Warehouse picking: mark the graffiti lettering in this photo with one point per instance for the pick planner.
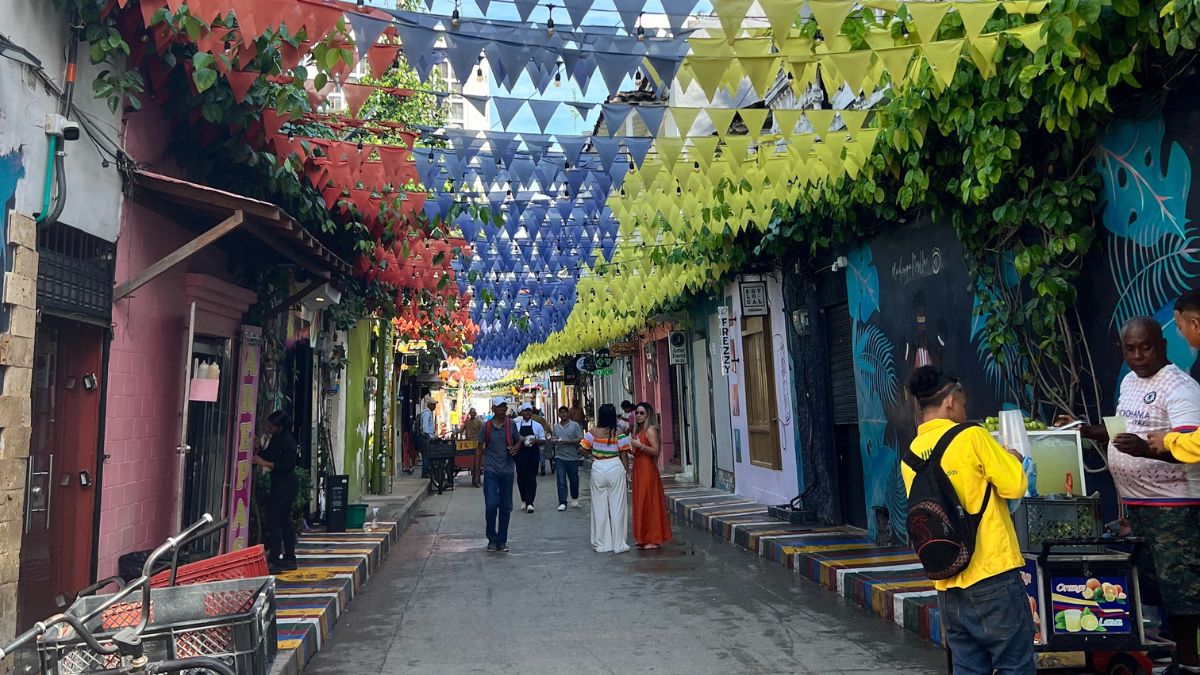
(919, 265)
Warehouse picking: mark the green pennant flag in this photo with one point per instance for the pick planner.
(781, 14)
(983, 53)
(735, 149)
(731, 14)
(754, 119)
(709, 72)
(762, 71)
(820, 120)
(684, 118)
(785, 121)
(721, 118)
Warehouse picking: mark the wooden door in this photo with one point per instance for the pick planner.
(57, 545)
(762, 412)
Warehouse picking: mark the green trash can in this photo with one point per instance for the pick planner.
(356, 516)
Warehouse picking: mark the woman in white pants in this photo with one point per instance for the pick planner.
(610, 517)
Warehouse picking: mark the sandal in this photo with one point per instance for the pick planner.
(649, 547)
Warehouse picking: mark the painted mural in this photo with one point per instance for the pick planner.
(12, 170)
(910, 299)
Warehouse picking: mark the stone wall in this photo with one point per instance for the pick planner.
(16, 373)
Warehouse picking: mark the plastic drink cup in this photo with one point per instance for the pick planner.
(1071, 617)
(1115, 426)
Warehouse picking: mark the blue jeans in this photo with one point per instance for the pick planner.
(567, 471)
(497, 500)
(989, 626)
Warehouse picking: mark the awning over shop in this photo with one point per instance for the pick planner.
(250, 224)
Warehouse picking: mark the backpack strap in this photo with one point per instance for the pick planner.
(915, 462)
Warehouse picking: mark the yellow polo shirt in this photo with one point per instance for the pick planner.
(976, 463)
(1184, 446)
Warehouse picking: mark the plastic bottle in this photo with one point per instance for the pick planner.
(214, 371)
(375, 518)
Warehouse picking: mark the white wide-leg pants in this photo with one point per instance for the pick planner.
(610, 517)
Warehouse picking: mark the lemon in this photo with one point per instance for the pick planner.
(1089, 622)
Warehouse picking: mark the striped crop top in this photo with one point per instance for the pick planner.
(605, 448)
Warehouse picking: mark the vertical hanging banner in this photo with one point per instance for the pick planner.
(241, 471)
(726, 342)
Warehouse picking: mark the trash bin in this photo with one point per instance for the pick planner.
(337, 494)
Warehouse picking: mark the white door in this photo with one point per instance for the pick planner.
(720, 403)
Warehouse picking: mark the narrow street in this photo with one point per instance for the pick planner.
(442, 604)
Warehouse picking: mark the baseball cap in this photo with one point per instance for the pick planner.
(526, 406)
(499, 400)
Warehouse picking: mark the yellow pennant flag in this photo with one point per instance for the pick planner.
(926, 17)
(889, 6)
(731, 14)
(785, 121)
(801, 147)
(820, 120)
(752, 46)
(801, 74)
(983, 53)
(721, 118)
(710, 46)
(1026, 6)
(668, 150)
(943, 57)
(736, 148)
(651, 167)
(754, 119)
(704, 149)
(855, 66)
(975, 16)
(878, 38)
(1031, 36)
(684, 119)
(761, 70)
(830, 15)
(797, 46)
(781, 14)
(896, 61)
(709, 72)
(853, 119)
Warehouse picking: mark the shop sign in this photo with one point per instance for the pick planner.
(677, 344)
(242, 469)
(1090, 604)
(624, 348)
(754, 298)
(726, 341)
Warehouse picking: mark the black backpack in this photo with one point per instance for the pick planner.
(939, 528)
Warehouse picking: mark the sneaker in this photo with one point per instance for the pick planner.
(289, 563)
(574, 503)
(274, 568)
(491, 547)
(562, 507)
(529, 508)
(502, 548)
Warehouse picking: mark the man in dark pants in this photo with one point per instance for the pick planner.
(280, 457)
(533, 437)
(498, 446)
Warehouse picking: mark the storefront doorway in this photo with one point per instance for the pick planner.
(57, 547)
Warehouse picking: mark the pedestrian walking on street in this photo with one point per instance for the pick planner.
(470, 431)
(498, 446)
(605, 445)
(567, 435)
(984, 606)
(533, 437)
(426, 430)
(280, 457)
(651, 524)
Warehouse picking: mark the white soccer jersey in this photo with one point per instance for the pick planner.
(1170, 400)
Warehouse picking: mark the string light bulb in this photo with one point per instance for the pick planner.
(479, 69)
(549, 20)
(641, 32)
(558, 79)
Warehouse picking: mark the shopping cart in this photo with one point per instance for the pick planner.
(440, 454)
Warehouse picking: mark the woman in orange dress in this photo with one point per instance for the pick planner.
(651, 524)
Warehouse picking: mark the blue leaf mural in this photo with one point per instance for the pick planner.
(1152, 251)
(862, 285)
(875, 364)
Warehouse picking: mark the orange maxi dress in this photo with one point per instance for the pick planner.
(651, 524)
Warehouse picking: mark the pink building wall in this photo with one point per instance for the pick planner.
(657, 393)
(145, 376)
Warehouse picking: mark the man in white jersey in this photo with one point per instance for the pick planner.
(1162, 499)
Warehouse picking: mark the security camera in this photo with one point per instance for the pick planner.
(57, 125)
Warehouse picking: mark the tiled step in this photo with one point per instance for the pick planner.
(886, 580)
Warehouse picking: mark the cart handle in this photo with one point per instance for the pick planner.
(41, 627)
(1050, 544)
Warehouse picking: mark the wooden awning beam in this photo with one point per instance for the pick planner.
(181, 254)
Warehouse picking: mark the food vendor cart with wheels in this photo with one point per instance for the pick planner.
(1086, 600)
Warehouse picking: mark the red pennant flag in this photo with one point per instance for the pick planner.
(272, 121)
(174, 5)
(319, 20)
(149, 7)
(241, 81)
(381, 58)
(356, 95)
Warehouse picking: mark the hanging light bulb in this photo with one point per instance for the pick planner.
(479, 69)
(549, 20)
(558, 79)
(641, 32)
(455, 17)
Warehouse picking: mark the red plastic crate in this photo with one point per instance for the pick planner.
(244, 564)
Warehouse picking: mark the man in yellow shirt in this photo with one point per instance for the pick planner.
(984, 608)
(1181, 445)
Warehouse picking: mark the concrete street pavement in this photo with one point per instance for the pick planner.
(552, 605)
